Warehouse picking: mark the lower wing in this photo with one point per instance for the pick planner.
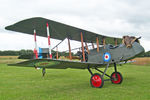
(57, 64)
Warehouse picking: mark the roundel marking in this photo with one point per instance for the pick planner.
(106, 57)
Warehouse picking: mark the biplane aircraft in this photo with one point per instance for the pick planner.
(109, 52)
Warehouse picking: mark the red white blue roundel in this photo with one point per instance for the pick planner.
(106, 57)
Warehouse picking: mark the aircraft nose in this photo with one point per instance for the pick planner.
(138, 49)
(141, 50)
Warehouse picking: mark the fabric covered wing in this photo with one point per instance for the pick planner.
(56, 64)
(57, 30)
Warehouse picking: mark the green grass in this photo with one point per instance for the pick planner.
(9, 59)
(20, 83)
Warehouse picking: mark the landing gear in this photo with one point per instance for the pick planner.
(43, 72)
(97, 80)
(116, 78)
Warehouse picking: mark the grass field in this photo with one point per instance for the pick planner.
(20, 83)
(9, 59)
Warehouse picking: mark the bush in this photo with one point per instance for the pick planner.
(26, 56)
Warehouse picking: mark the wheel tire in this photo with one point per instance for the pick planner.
(97, 80)
(117, 80)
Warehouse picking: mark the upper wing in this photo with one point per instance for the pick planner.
(57, 64)
(57, 30)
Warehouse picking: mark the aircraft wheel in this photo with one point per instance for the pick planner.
(116, 78)
(97, 80)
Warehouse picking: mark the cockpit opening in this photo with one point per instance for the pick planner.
(128, 41)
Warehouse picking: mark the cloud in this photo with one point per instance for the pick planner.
(108, 17)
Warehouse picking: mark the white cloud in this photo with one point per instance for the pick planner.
(108, 17)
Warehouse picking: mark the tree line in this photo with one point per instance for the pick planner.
(15, 53)
(28, 54)
(146, 54)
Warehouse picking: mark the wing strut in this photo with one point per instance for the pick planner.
(86, 48)
(83, 55)
(115, 42)
(49, 44)
(97, 42)
(104, 42)
(35, 49)
(70, 56)
(58, 44)
(93, 45)
(57, 52)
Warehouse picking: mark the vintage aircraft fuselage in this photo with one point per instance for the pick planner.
(111, 54)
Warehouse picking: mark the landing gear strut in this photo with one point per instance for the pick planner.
(43, 72)
(116, 77)
(97, 80)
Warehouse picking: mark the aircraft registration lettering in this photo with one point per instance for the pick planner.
(43, 63)
(46, 63)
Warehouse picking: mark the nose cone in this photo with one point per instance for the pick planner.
(138, 48)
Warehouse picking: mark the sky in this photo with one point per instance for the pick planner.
(107, 17)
